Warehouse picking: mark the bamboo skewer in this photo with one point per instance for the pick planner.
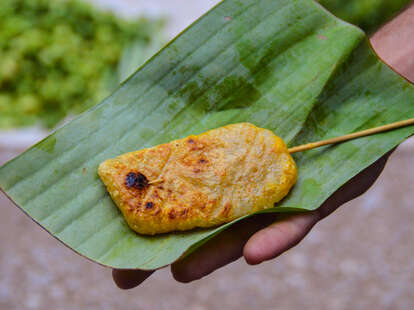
(351, 136)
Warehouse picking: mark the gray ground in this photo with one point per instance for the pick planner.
(358, 258)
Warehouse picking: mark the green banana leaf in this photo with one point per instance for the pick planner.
(286, 65)
(367, 14)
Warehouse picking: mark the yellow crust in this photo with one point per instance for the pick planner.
(207, 180)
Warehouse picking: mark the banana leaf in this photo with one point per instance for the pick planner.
(286, 65)
(367, 14)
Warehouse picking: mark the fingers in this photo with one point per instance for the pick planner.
(290, 230)
(279, 237)
(127, 279)
(355, 187)
(221, 250)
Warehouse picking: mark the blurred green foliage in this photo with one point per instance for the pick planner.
(367, 14)
(59, 58)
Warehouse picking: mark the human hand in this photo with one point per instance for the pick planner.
(266, 236)
(259, 238)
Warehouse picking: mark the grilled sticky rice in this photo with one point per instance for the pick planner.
(200, 181)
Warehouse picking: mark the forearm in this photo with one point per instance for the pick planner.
(394, 43)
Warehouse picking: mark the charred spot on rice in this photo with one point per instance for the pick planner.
(136, 180)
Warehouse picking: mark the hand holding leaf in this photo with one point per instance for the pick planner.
(265, 237)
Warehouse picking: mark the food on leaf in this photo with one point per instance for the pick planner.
(200, 181)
